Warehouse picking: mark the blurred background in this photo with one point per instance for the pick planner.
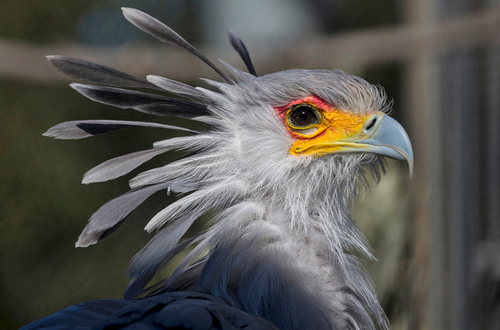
(436, 237)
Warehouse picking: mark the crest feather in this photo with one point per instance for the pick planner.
(111, 215)
(163, 33)
(96, 73)
(80, 129)
(242, 50)
(144, 102)
(119, 166)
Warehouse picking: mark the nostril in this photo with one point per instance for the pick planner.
(371, 123)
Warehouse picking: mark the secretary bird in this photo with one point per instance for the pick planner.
(276, 165)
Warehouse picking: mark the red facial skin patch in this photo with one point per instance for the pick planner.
(325, 136)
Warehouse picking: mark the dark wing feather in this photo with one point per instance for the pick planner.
(176, 310)
(162, 32)
(96, 73)
(242, 50)
(144, 102)
(84, 316)
(186, 310)
(112, 214)
(80, 129)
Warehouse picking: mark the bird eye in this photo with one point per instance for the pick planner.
(303, 116)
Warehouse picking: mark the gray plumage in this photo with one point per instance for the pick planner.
(280, 242)
(162, 32)
(97, 73)
(144, 102)
(110, 216)
(119, 166)
(80, 129)
(179, 89)
(241, 49)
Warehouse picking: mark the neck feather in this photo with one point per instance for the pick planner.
(279, 252)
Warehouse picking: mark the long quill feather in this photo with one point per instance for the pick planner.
(96, 73)
(111, 215)
(144, 102)
(242, 50)
(162, 32)
(80, 129)
(119, 166)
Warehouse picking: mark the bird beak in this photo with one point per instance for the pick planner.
(376, 133)
(387, 138)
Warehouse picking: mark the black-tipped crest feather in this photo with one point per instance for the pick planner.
(144, 102)
(242, 50)
(80, 129)
(96, 73)
(162, 32)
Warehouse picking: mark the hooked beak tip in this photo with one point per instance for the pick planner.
(391, 140)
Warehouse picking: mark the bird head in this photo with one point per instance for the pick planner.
(305, 132)
(292, 141)
(316, 113)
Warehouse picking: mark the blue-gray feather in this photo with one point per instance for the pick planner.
(180, 310)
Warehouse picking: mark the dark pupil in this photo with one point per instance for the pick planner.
(303, 116)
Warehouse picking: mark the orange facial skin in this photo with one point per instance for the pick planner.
(335, 129)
